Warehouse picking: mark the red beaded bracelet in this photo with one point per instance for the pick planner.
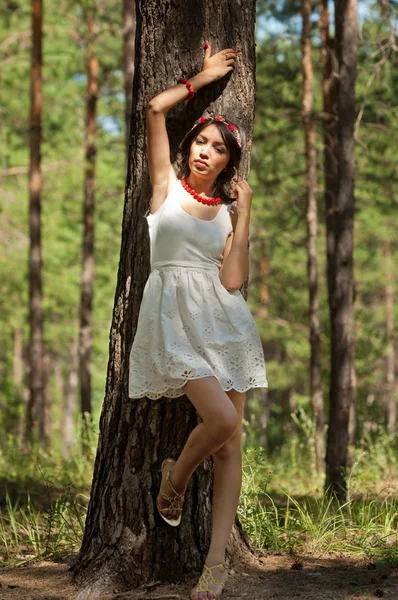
(189, 87)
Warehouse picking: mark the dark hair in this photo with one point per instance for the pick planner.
(222, 183)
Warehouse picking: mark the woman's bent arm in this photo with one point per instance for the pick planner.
(159, 163)
(160, 168)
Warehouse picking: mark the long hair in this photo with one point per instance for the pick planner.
(222, 186)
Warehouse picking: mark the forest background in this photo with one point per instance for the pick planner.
(279, 428)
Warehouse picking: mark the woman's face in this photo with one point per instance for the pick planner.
(209, 154)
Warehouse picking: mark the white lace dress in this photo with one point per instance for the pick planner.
(190, 325)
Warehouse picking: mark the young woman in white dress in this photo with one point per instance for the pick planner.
(219, 435)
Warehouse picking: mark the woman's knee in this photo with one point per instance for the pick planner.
(224, 424)
(230, 448)
(217, 410)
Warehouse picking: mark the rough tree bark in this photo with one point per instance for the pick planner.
(87, 279)
(36, 381)
(125, 543)
(312, 233)
(340, 271)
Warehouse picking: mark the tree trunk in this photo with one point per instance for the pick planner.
(128, 56)
(18, 368)
(45, 424)
(340, 271)
(69, 402)
(265, 410)
(312, 233)
(125, 543)
(86, 298)
(352, 419)
(35, 401)
(390, 403)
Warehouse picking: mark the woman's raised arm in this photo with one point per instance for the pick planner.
(161, 171)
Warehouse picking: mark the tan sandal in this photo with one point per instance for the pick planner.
(175, 501)
(207, 579)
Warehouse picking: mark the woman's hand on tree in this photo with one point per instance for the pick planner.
(221, 63)
(243, 194)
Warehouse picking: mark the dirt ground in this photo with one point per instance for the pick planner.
(269, 578)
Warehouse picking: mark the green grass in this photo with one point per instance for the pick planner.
(283, 509)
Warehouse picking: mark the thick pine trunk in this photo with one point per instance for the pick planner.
(86, 298)
(35, 401)
(341, 285)
(312, 233)
(125, 542)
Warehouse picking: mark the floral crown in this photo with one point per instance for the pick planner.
(231, 127)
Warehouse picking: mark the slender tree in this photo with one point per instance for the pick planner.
(36, 380)
(18, 368)
(69, 392)
(312, 233)
(340, 263)
(86, 298)
(125, 543)
(390, 401)
(128, 56)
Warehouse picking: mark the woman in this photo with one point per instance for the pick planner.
(195, 333)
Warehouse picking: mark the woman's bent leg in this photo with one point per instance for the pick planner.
(220, 420)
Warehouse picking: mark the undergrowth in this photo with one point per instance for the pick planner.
(44, 499)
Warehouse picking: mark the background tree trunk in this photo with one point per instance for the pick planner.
(69, 401)
(312, 233)
(18, 370)
(128, 60)
(390, 402)
(125, 542)
(45, 423)
(35, 401)
(264, 415)
(86, 299)
(341, 299)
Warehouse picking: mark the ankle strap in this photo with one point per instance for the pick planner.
(224, 565)
(171, 485)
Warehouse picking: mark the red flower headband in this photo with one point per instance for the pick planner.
(231, 127)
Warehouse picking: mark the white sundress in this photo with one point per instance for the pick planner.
(189, 324)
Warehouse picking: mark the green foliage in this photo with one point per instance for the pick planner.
(282, 512)
(278, 225)
(64, 89)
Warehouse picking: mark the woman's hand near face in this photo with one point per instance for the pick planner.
(220, 64)
(243, 194)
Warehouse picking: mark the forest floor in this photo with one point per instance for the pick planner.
(272, 577)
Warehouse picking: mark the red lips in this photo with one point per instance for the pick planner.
(201, 162)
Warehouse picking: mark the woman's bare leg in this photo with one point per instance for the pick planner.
(220, 420)
(226, 491)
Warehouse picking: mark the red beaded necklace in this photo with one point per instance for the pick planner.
(202, 199)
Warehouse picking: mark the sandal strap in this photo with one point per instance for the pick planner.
(171, 485)
(175, 502)
(167, 460)
(207, 578)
